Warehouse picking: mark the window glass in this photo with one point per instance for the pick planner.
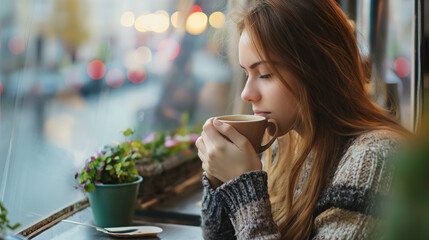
(400, 78)
(385, 32)
(75, 72)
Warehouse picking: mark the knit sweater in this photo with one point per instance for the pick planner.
(241, 208)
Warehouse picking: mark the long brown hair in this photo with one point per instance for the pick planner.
(315, 42)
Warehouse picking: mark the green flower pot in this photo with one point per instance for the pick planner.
(113, 204)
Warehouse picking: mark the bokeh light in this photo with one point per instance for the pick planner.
(17, 45)
(140, 56)
(195, 9)
(140, 24)
(169, 48)
(136, 74)
(176, 19)
(74, 80)
(161, 21)
(402, 67)
(143, 55)
(96, 69)
(217, 19)
(196, 23)
(156, 22)
(1, 88)
(115, 77)
(127, 19)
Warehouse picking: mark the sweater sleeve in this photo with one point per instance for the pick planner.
(246, 201)
(214, 221)
(346, 209)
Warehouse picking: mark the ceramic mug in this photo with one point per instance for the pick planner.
(252, 127)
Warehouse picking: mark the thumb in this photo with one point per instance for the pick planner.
(231, 133)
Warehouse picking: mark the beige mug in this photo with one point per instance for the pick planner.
(252, 127)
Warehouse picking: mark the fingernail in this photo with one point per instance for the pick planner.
(217, 122)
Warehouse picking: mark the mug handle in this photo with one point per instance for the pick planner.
(266, 146)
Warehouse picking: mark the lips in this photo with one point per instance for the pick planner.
(261, 113)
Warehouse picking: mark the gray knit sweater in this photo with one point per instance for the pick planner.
(241, 209)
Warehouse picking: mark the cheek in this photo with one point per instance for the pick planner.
(285, 119)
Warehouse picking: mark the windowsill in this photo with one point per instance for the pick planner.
(177, 213)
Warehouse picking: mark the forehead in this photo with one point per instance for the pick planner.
(246, 50)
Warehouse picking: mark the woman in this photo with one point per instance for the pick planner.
(303, 70)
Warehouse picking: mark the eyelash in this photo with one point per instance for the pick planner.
(266, 76)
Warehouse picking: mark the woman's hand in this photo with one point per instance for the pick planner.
(224, 152)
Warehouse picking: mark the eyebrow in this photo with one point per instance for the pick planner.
(254, 64)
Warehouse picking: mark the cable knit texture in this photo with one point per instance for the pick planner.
(241, 209)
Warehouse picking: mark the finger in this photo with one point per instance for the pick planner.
(203, 161)
(231, 133)
(208, 122)
(211, 136)
(200, 144)
(202, 157)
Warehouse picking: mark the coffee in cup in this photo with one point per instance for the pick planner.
(252, 127)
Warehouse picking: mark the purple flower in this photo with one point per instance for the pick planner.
(100, 154)
(76, 187)
(87, 167)
(194, 137)
(149, 138)
(169, 142)
(129, 141)
(82, 186)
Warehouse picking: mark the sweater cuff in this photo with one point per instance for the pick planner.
(207, 185)
(246, 188)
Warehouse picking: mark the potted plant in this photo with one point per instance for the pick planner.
(111, 180)
(5, 224)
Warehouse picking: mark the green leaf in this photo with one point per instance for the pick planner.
(108, 167)
(14, 226)
(136, 144)
(128, 132)
(108, 154)
(89, 187)
(118, 167)
(136, 155)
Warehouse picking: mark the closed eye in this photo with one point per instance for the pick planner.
(266, 75)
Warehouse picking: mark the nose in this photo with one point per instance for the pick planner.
(250, 92)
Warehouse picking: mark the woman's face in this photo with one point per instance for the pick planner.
(264, 90)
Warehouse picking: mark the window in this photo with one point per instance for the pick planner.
(74, 72)
(385, 31)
